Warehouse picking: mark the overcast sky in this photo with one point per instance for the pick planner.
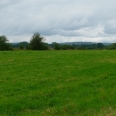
(59, 20)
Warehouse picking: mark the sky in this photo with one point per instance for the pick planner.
(59, 20)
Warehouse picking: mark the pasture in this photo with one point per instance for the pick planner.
(58, 83)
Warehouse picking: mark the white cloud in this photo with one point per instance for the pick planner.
(59, 20)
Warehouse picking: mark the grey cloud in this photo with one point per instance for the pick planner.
(58, 17)
(110, 27)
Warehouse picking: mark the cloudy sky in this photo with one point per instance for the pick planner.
(59, 20)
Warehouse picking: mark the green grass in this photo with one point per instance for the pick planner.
(58, 83)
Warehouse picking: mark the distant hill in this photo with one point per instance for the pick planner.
(107, 44)
(83, 43)
(17, 44)
(24, 43)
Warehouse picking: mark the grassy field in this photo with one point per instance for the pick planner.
(58, 83)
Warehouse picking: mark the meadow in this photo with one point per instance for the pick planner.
(58, 83)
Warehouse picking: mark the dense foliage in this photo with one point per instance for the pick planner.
(4, 45)
(112, 46)
(36, 42)
(58, 46)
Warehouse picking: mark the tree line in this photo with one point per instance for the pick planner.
(37, 43)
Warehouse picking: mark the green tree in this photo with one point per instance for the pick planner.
(100, 46)
(28, 47)
(56, 46)
(4, 43)
(21, 46)
(36, 42)
(64, 47)
(112, 46)
(67, 47)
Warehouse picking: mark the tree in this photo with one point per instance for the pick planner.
(21, 46)
(28, 47)
(112, 46)
(36, 42)
(56, 46)
(67, 47)
(4, 45)
(64, 47)
(100, 46)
